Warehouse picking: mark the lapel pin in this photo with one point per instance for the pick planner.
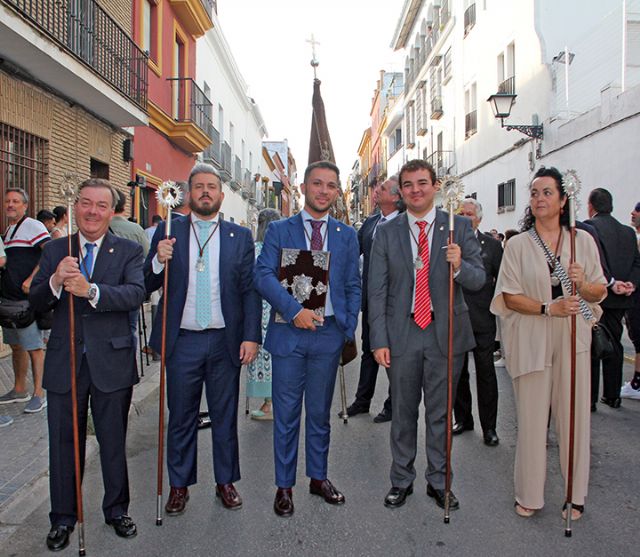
(338, 229)
(111, 250)
(441, 227)
(482, 242)
(231, 234)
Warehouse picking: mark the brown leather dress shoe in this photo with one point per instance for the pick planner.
(325, 489)
(283, 503)
(177, 502)
(229, 496)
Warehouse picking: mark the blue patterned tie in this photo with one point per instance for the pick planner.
(87, 263)
(203, 280)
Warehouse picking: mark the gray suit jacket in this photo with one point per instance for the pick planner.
(392, 276)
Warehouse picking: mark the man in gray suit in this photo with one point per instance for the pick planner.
(409, 320)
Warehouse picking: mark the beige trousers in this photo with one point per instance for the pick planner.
(535, 393)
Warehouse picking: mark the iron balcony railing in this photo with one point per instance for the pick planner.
(508, 86)
(436, 107)
(470, 123)
(190, 102)
(226, 160)
(236, 181)
(212, 153)
(442, 162)
(85, 30)
(469, 18)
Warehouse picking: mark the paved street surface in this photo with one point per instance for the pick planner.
(359, 466)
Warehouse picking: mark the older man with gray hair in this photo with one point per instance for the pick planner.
(483, 323)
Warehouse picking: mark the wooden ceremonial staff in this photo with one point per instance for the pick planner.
(571, 188)
(69, 192)
(169, 195)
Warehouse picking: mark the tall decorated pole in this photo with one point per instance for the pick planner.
(571, 184)
(69, 191)
(452, 191)
(169, 196)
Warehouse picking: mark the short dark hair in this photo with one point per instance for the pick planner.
(44, 215)
(417, 164)
(265, 217)
(100, 183)
(60, 212)
(122, 201)
(601, 201)
(156, 219)
(321, 164)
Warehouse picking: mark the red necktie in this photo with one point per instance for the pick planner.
(422, 306)
(316, 237)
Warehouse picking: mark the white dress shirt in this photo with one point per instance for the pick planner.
(384, 219)
(430, 217)
(81, 262)
(306, 217)
(213, 247)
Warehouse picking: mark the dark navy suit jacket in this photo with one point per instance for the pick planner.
(102, 332)
(344, 280)
(241, 304)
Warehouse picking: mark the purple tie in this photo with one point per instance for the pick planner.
(316, 237)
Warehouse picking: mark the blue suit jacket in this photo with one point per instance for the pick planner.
(344, 280)
(241, 304)
(104, 331)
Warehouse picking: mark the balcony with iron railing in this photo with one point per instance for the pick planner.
(88, 43)
(436, 108)
(469, 18)
(470, 123)
(442, 162)
(508, 86)
(236, 178)
(226, 161)
(212, 153)
(191, 109)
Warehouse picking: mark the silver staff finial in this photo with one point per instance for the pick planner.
(169, 195)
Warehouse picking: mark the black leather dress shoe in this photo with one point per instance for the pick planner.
(58, 537)
(457, 428)
(326, 489)
(438, 495)
(354, 410)
(384, 416)
(283, 503)
(397, 496)
(123, 525)
(491, 438)
(613, 402)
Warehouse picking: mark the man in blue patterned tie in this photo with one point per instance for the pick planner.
(213, 327)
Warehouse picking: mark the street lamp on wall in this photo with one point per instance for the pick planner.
(501, 104)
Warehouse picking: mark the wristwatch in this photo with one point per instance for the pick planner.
(92, 292)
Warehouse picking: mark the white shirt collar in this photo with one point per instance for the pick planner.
(195, 218)
(429, 217)
(97, 242)
(390, 216)
(306, 216)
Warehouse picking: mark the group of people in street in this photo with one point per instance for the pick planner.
(227, 307)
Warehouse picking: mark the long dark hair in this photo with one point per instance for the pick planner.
(528, 220)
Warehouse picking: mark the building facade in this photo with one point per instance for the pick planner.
(279, 178)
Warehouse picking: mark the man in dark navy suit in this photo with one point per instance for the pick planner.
(387, 197)
(105, 277)
(305, 350)
(483, 323)
(213, 327)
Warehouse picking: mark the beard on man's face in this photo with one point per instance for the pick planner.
(204, 211)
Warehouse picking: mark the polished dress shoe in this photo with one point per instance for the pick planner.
(354, 410)
(283, 503)
(457, 428)
(491, 438)
(123, 525)
(613, 402)
(397, 496)
(58, 537)
(229, 496)
(177, 502)
(326, 489)
(438, 495)
(384, 416)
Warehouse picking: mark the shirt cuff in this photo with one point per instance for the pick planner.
(94, 302)
(156, 265)
(55, 292)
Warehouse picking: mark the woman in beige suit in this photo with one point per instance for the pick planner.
(535, 306)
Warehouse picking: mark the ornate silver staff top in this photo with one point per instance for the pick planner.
(169, 195)
(69, 190)
(572, 186)
(453, 193)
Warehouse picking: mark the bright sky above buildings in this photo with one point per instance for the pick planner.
(268, 42)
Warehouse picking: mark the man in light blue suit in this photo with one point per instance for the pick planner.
(306, 349)
(213, 327)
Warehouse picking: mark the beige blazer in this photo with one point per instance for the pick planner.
(524, 270)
